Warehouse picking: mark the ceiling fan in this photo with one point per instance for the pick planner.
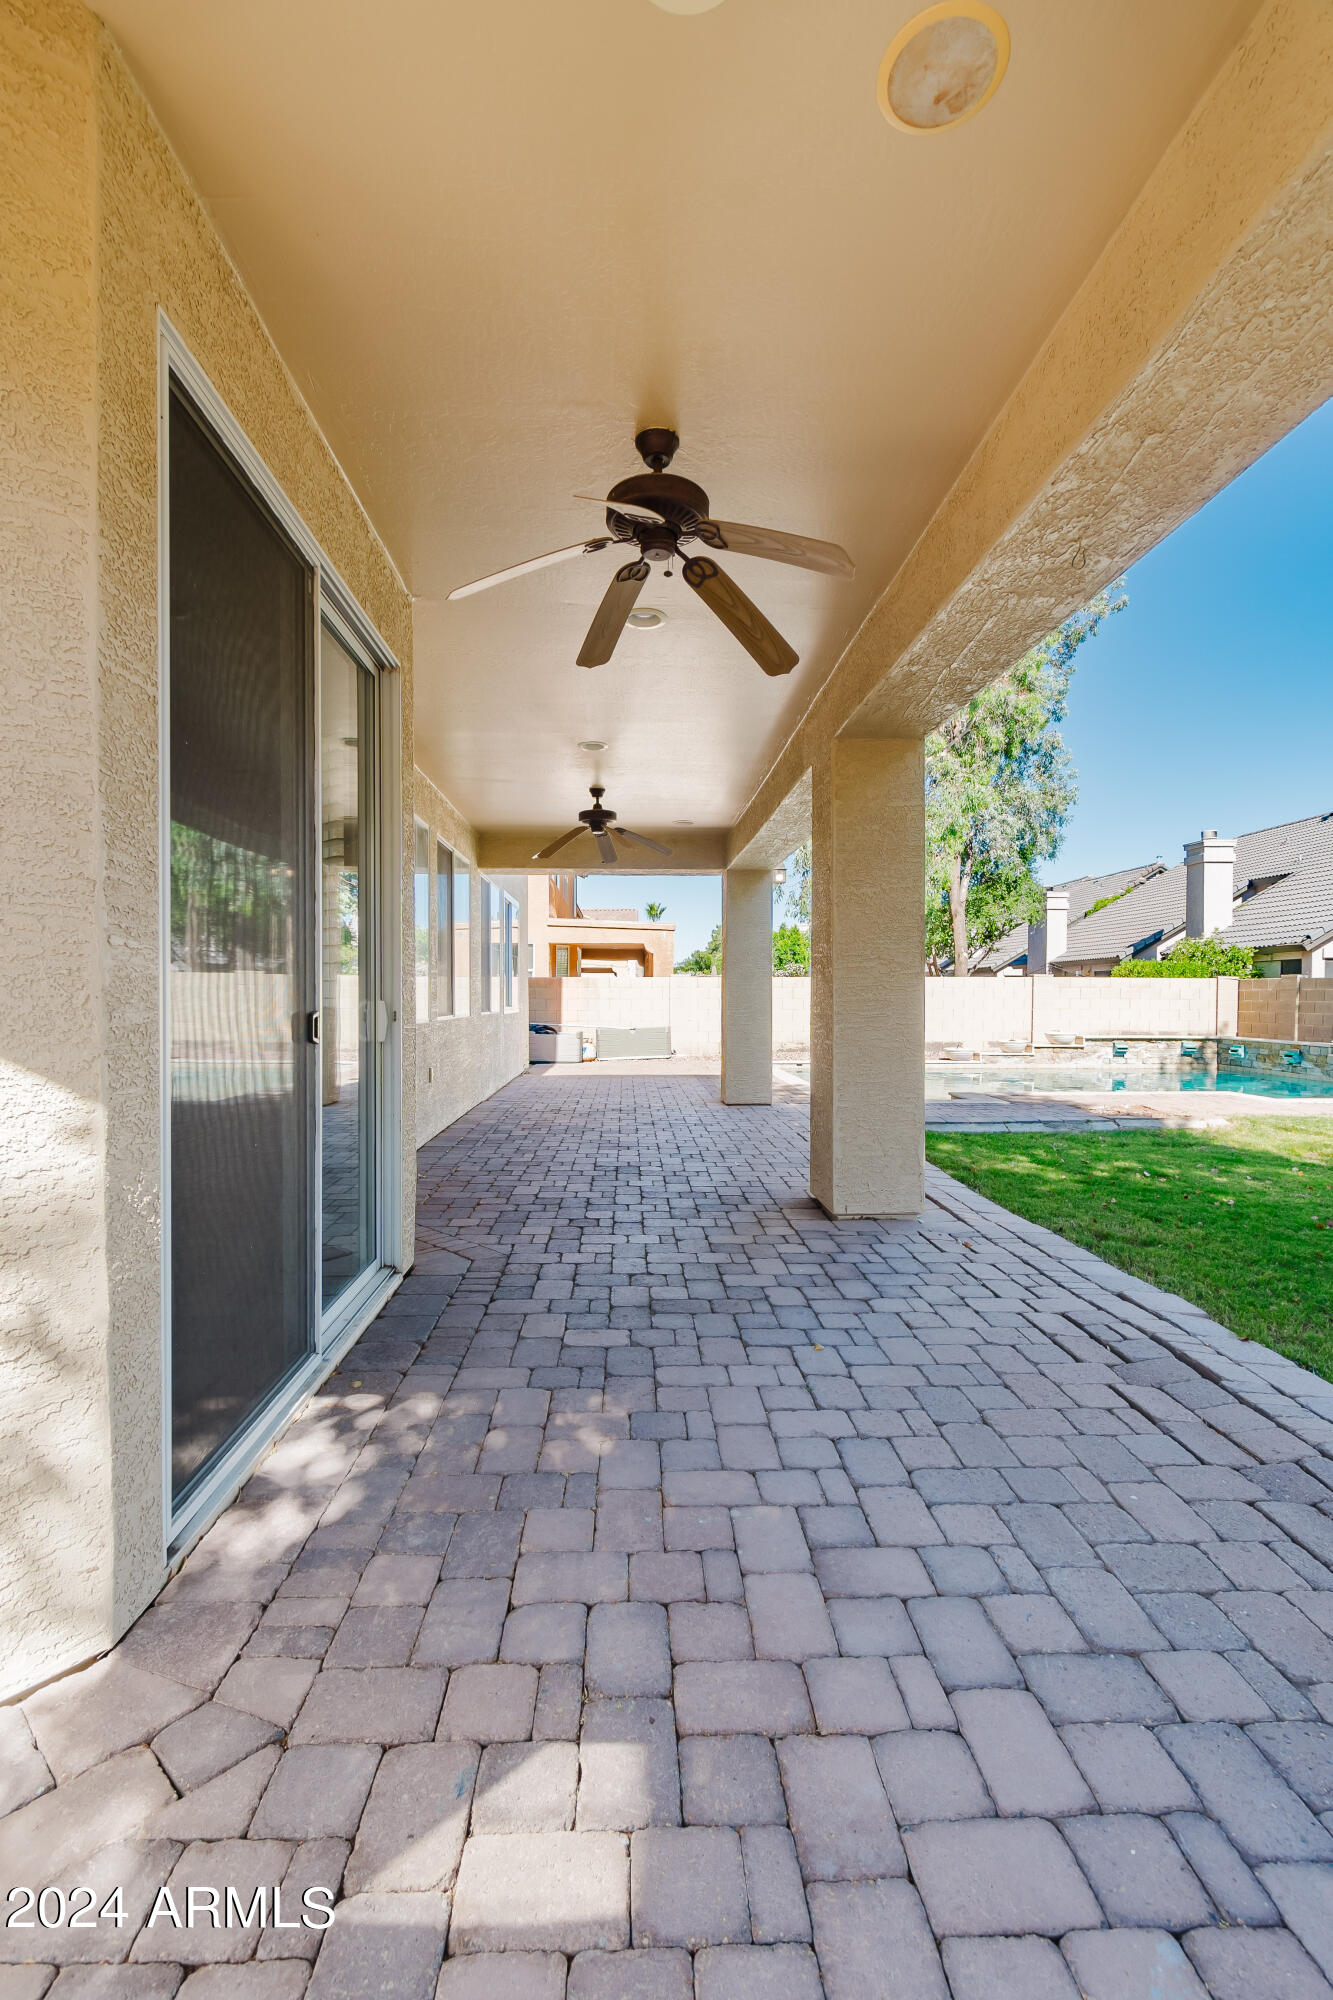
(658, 513)
(596, 819)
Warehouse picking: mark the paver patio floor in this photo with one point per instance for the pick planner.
(677, 1594)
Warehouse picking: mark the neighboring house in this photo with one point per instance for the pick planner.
(1010, 956)
(1271, 890)
(566, 940)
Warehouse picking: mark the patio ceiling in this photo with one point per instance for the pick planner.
(492, 241)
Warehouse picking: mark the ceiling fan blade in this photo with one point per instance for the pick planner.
(556, 845)
(534, 562)
(612, 612)
(643, 840)
(745, 621)
(606, 847)
(778, 547)
(632, 509)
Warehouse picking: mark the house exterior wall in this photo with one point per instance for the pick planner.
(553, 919)
(99, 232)
(463, 1058)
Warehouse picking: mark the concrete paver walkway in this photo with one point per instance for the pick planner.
(676, 1594)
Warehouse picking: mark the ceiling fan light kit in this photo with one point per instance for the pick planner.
(657, 514)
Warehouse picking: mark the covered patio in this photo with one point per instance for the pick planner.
(677, 1592)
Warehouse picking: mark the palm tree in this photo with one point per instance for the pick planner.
(654, 912)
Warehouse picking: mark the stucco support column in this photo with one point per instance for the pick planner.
(867, 999)
(747, 986)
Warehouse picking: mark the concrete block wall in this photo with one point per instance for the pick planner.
(970, 1011)
(1291, 1008)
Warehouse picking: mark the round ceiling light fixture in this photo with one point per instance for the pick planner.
(590, 745)
(687, 6)
(647, 617)
(943, 66)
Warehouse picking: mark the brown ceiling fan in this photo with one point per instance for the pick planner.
(596, 819)
(659, 513)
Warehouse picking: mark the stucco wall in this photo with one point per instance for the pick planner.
(55, 1532)
(100, 231)
(461, 1059)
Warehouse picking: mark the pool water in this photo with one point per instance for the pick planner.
(945, 1080)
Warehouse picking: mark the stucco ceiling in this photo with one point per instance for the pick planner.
(493, 240)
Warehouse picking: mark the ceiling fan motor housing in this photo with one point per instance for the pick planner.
(679, 500)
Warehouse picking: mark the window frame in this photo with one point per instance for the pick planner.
(442, 957)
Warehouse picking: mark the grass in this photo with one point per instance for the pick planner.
(1239, 1222)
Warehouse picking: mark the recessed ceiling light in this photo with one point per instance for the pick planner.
(943, 66)
(687, 6)
(682, 822)
(647, 616)
(592, 746)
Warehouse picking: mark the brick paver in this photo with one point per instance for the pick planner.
(675, 1593)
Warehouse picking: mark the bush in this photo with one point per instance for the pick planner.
(1192, 958)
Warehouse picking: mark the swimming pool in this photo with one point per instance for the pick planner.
(957, 1079)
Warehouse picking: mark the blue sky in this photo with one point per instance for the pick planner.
(1208, 702)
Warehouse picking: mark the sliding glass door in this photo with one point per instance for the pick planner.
(275, 1006)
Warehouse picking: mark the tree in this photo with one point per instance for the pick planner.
(1192, 958)
(708, 958)
(791, 952)
(797, 895)
(999, 787)
(654, 912)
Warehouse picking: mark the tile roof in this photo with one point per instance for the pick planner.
(1083, 891)
(1298, 904)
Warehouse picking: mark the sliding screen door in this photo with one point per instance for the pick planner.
(241, 969)
(349, 1038)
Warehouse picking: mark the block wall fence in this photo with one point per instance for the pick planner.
(979, 1011)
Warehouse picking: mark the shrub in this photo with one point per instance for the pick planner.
(1192, 958)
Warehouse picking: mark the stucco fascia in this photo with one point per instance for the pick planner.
(1203, 333)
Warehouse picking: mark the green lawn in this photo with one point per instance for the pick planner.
(1239, 1221)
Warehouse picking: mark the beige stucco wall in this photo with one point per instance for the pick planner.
(98, 231)
(461, 1059)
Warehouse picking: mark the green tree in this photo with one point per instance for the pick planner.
(708, 958)
(1000, 786)
(1192, 958)
(791, 952)
(654, 912)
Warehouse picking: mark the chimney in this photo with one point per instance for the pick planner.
(1049, 940)
(1209, 873)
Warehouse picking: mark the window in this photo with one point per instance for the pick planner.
(492, 949)
(564, 961)
(421, 919)
(512, 933)
(444, 929)
(462, 907)
(1287, 965)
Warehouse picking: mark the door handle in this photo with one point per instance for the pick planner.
(312, 1027)
(381, 1021)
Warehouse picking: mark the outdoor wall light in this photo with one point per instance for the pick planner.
(779, 877)
(647, 617)
(943, 66)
